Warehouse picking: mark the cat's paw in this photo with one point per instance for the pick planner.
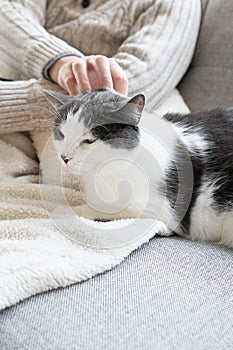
(90, 213)
(163, 230)
(79, 211)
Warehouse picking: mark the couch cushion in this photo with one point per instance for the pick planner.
(209, 81)
(169, 294)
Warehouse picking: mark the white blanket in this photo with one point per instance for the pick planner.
(39, 253)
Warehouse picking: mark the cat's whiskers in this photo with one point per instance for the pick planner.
(48, 110)
(58, 121)
(49, 100)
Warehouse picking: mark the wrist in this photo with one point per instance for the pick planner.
(51, 69)
(55, 68)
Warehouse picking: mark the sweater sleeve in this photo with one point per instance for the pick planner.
(24, 106)
(159, 48)
(24, 43)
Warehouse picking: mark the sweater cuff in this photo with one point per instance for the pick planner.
(43, 52)
(49, 65)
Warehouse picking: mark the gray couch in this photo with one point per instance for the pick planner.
(209, 81)
(169, 294)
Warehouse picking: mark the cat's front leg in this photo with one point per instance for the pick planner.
(90, 213)
(87, 212)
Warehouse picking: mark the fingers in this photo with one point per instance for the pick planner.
(70, 84)
(79, 69)
(120, 81)
(93, 73)
(79, 75)
(103, 72)
(67, 80)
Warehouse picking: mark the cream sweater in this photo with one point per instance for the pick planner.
(152, 40)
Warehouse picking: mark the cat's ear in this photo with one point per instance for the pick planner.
(138, 100)
(132, 110)
(56, 97)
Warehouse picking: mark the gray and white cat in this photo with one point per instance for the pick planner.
(180, 172)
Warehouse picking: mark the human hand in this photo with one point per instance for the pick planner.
(78, 75)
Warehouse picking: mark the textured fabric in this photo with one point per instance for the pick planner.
(40, 251)
(153, 41)
(24, 107)
(169, 294)
(209, 81)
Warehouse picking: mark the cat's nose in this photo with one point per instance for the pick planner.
(65, 159)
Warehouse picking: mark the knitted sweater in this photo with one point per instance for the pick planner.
(152, 40)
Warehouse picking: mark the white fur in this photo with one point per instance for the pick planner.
(206, 223)
(118, 183)
(192, 140)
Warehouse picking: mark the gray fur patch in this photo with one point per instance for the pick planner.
(58, 135)
(109, 116)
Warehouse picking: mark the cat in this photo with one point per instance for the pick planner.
(180, 173)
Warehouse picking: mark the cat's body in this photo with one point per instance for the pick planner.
(179, 172)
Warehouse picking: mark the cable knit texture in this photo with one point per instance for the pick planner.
(152, 40)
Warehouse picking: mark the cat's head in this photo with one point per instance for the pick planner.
(92, 128)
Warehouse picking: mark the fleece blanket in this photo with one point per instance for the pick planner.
(39, 251)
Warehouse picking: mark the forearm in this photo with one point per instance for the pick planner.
(157, 54)
(24, 107)
(24, 43)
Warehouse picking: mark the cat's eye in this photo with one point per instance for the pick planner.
(89, 141)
